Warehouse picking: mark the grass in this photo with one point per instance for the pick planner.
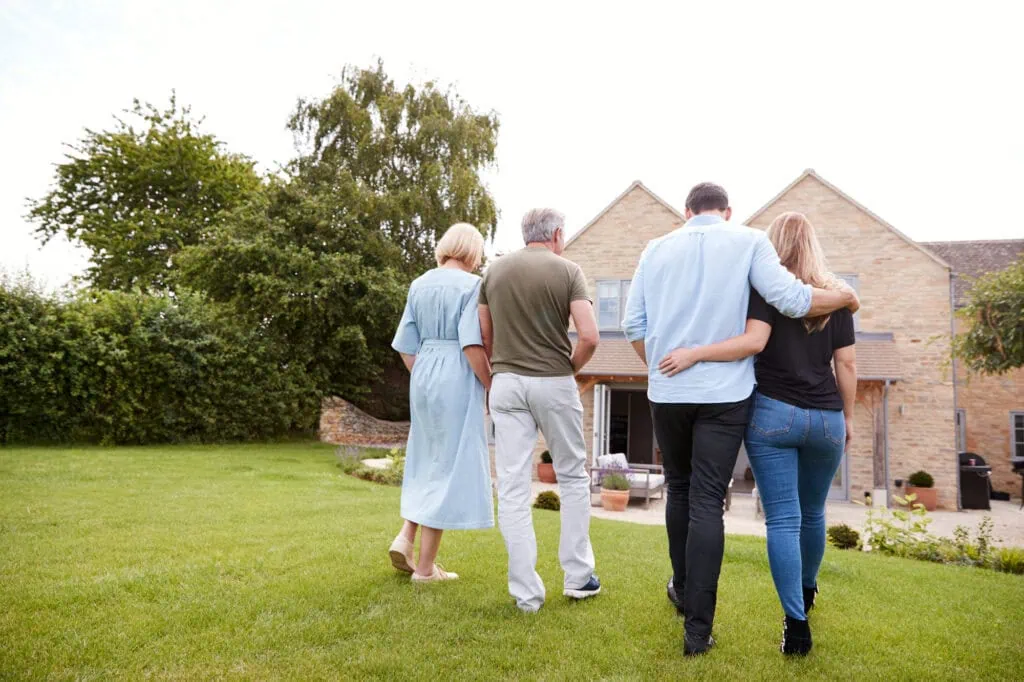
(265, 562)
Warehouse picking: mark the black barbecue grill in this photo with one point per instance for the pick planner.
(975, 483)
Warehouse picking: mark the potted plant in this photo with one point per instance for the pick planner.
(615, 492)
(922, 485)
(546, 470)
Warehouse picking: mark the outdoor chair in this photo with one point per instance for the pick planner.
(645, 480)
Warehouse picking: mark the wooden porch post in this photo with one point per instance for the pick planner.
(878, 442)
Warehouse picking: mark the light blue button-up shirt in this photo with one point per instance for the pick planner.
(691, 288)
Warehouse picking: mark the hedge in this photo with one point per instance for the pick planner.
(136, 368)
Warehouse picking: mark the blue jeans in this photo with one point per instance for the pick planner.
(794, 454)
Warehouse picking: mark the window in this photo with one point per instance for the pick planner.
(1017, 435)
(961, 430)
(854, 282)
(611, 303)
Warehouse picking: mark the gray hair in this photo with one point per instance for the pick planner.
(539, 224)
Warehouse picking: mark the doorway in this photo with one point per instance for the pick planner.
(623, 424)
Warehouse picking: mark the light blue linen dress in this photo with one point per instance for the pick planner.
(447, 481)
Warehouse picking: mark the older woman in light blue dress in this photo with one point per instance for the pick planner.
(447, 484)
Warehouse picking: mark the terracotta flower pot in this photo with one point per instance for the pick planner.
(614, 500)
(929, 497)
(546, 473)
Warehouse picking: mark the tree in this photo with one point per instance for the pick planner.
(330, 292)
(994, 340)
(406, 162)
(136, 196)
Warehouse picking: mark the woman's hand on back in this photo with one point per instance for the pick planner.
(679, 360)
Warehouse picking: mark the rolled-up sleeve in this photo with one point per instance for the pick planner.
(469, 322)
(634, 323)
(776, 284)
(407, 338)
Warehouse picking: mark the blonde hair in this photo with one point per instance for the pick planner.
(798, 247)
(461, 242)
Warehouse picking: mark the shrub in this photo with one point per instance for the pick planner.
(843, 537)
(615, 482)
(1009, 560)
(133, 368)
(548, 500)
(904, 533)
(388, 476)
(545, 457)
(921, 479)
(897, 532)
(350, 460)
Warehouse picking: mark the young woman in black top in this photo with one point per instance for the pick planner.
(802, 419)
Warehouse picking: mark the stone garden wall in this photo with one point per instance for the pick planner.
(342, 423)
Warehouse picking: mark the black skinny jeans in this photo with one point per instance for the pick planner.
(699, 445)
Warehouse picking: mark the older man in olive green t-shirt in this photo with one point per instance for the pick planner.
(526, 301)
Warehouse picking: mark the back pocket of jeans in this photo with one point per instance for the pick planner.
(834, 426)
(772, 417)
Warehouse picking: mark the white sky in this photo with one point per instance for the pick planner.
(916, 109)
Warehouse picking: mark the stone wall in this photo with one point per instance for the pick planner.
(342, 423)
(988, 403)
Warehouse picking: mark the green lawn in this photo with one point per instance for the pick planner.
(263, 561)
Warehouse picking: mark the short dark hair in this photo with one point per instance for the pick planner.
(707, 196)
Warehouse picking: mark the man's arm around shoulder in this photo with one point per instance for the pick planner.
(825, 301)
(786, 293)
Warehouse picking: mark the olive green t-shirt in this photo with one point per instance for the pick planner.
(528, 294)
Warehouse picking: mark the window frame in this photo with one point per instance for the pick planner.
(1014, 414)
(623, 286)
(853, 280)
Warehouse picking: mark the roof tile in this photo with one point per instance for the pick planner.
(971, 259)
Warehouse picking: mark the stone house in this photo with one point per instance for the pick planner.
(907, 405)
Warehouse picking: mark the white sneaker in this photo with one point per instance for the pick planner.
(439, 575)
(401, 555)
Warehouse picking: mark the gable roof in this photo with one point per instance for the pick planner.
(971, 259)
(853, 202)
(635, 185)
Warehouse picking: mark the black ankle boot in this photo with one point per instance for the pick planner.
(809, 593)
(796, 637)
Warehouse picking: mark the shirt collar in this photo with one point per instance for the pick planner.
(703, 220)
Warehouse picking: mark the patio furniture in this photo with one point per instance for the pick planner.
(975, 482)
(645, 480)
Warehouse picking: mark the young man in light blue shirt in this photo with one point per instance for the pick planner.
(691, 288)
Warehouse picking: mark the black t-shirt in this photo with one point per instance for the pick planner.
(796, 367)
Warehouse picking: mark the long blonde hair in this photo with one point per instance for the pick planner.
(798, 247)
